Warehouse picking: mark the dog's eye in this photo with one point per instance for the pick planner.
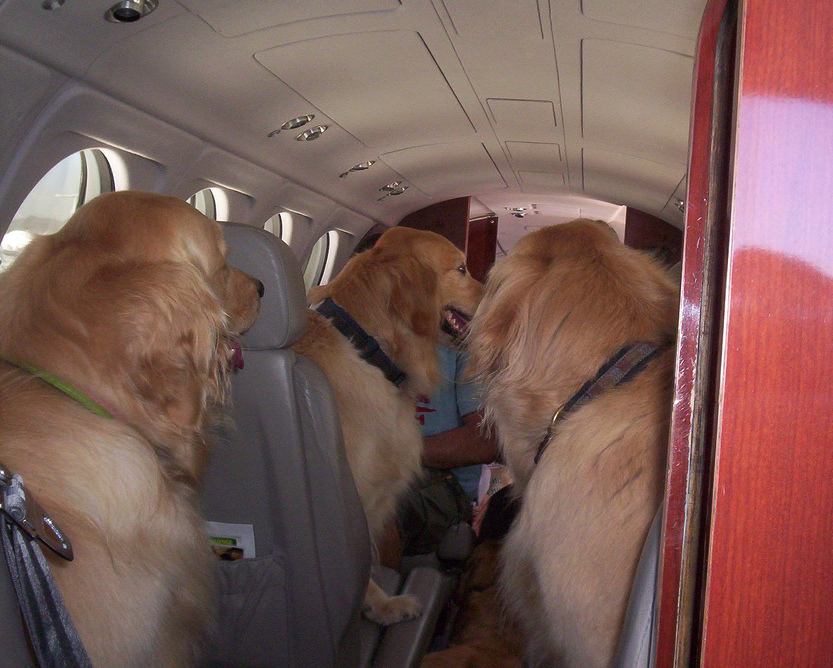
(462, 269)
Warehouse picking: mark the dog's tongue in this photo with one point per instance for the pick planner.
(236, 355)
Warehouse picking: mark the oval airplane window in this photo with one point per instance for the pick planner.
(211, 202)
(280, 225)
(75, 180)
(319, 265)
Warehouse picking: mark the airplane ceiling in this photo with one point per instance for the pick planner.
(512, 101)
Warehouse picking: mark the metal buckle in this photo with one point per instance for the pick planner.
(29, 516)
(555, 419)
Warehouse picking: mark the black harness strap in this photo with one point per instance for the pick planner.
(620, 368)
(367, 346)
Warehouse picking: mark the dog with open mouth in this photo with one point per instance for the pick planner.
(374, 331)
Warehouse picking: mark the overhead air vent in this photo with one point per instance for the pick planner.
(312, 133)
(130, 11)
(392, 189)
(358, 168)
(293, 123)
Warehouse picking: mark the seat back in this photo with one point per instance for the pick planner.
(279, 470)
(636, 645)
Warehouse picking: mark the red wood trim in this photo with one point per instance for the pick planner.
(676, 612)
(449, 218)
(770, 581)
(647, 232)
(481, 246)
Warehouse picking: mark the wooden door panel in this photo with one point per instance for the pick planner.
(770, 582)
(704, 252)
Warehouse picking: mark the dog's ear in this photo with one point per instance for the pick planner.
(413, 295)
(166, 348)
(499, 322)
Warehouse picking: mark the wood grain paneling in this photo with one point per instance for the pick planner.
(703, 265)
(647, 232)
(481, 246)
(449, 218)
(770, 581)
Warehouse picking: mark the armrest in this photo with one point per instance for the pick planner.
(403, 644)
(389, 580)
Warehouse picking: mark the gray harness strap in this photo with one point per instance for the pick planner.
(52, 635)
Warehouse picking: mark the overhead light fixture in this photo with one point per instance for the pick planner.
(52, 4)
(391, 190)
(358, 168)
(130, 11)
(312, 133)
(293, 123)
(297, 122)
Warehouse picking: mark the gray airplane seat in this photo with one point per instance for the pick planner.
(636, 645)
(279, 489)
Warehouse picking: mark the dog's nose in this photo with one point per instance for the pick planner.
(260, 288)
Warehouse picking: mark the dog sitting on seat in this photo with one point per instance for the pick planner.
(567, 302)
(393, 300)
(114, 351)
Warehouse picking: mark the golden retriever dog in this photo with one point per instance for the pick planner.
(131, 304)
(401, 292)
(563, 302)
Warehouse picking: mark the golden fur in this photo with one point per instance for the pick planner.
(482, 636)
(397, 291)
(555, 309)
(131, 303)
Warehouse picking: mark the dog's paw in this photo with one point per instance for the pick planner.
(393, 609)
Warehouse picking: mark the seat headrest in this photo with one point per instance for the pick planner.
(283, 308)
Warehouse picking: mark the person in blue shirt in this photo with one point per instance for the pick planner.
(454, 452)
(450, 423)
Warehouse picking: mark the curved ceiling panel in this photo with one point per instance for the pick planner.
(29, 82)
(625, 179)
(244, 16)
(535, 156)
(441, 169)
(636, 98)
(542, 181)
(379, 86)
(528, 117)
(470, 17)
(681, 17)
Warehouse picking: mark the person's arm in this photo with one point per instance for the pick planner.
(463, 446)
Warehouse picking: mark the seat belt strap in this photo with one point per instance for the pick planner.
(52, 635)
